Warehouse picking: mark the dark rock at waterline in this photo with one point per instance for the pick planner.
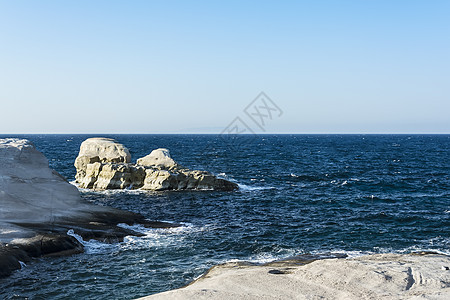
(23, 250)
(52, 239)
(100, 225)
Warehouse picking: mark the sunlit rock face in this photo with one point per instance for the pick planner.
(102, 150)
(104, 164)
(29, 190)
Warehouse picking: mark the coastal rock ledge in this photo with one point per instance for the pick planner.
(379, 276)
(104, 164)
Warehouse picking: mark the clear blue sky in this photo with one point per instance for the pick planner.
(193, 66)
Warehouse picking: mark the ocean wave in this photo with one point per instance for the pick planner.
(247, 188)
(183, 229)
(268, 257)
(285, 254)
(222, 175)
(92, 246)
(242, 187)
(420, 249)
(349, 253)
(307, 177)
(158, 237)
(152, 238)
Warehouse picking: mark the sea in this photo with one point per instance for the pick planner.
(298, 194)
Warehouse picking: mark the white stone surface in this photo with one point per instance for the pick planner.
(385, 276)
(159, 158)
(31, 192)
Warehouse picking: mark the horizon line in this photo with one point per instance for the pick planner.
(256, 133)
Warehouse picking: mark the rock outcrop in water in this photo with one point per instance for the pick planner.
(38, 207)
(104, 164)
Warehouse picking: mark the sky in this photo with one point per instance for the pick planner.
(195, 66)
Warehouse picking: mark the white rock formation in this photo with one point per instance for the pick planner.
(158, 180)
(118, 176)
(158, 158)
(384, 276)
(101, 150)
(31, 192)
(156, 171)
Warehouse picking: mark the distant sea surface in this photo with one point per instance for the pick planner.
(353, 194)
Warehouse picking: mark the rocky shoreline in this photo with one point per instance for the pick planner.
(379, 276)
(39, 207)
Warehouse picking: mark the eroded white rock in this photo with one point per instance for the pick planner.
(31, 192)
(156, 171)
(159, 158)
(103, 150)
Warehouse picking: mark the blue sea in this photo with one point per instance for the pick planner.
(352, 194)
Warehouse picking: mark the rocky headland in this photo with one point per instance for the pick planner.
(104, 164)
(38, 207)
(381, 276)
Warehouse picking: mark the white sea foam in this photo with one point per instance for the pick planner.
(92, 246)
(248, 188)
(22, 264)
(158, 237)
(184, 228)
(73, 182)
(350, 254)
(422, 249)
(128, 191)
(244, 187)
(267, 257)
(152, 238)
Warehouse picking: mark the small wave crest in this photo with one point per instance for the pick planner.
(286, 254)
(242, 187)
(155, 237)
(248, 188)
(266, 257)
(91, 246)
(152, 238)
(110, 192)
